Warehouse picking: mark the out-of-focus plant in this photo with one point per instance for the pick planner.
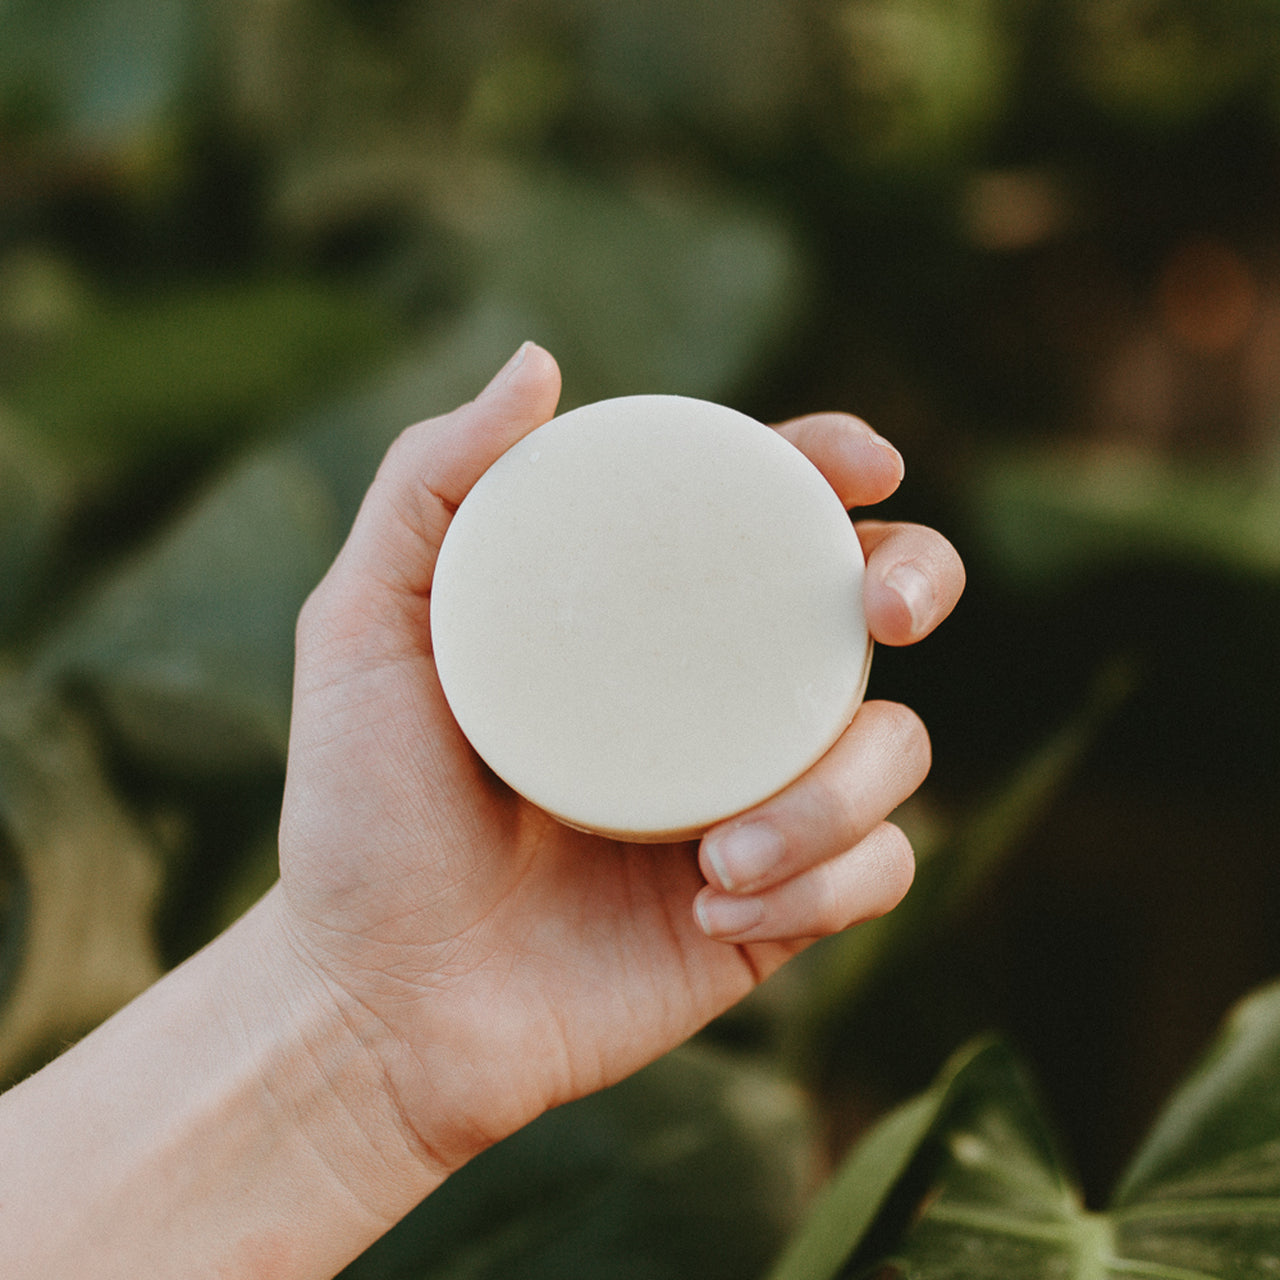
(927, 84)
(243, 243)
(1155, 63)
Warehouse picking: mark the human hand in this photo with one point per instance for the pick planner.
(498, 963)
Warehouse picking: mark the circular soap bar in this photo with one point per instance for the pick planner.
(647, 616)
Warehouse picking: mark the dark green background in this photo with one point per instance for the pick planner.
(1035, 243)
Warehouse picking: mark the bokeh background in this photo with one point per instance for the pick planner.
(1034, 242)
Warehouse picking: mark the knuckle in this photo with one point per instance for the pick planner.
(330, 615)
(868, 881)
(829, 909)
(833, 800)
(310, 621)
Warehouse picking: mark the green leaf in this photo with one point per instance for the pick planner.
(664, 283)
(137, 381)
(981, 1191)
(1203, 1192)
(697, 1166)
(79, 879)
(1054, 513)
(855, 1196)
(637, 289)
(188, 650)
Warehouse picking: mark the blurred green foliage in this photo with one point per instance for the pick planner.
(967, 1179)
(243, 242)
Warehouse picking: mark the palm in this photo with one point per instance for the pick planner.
(560, 943)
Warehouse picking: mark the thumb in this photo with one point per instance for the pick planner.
(431, 467)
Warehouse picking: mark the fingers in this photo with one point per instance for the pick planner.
(860, 884)
(431, 466)
(914, 578)
(800, 864)
(877, 763)
(861, 466)
(914, 575)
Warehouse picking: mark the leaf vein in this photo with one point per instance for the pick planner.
(1003, 1224)
(1073, 1234)
(1228, 1206)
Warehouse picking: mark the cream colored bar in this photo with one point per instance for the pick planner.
(647, 616)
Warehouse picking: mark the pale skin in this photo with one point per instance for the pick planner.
(440, 962)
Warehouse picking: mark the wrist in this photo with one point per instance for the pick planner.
(417, 1050)
(229, 1122)
(320, 1056)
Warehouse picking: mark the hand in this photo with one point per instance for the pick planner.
(497, 962)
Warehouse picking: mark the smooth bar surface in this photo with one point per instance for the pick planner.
(647, 616)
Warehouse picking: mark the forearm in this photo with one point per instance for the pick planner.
(227, 1123)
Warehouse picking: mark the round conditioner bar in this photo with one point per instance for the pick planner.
(647, 616)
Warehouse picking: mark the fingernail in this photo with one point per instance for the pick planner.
(914, 589)
(739, 856)
(508, 370)
(722, 916)
(898, 460)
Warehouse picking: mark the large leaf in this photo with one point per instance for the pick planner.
(1202, 1195)
(642, 285)
(982, 1194)
(639, 289)
(998, 1202)
(855, 1197)
(133, 382)
(187, 648)
(696, 1166)
(981, 1191)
